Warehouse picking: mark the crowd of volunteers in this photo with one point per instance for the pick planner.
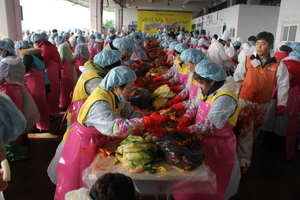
(226, 93)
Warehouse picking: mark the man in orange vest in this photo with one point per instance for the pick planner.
(255, 76)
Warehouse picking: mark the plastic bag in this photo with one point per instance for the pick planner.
(52, 168)
(181, 150)
(140, 98)
(16, 152)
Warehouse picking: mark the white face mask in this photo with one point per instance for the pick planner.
(111, 34)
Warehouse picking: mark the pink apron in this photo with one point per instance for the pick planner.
(14, 91)
(183, 78)
(78, 153)
(79, 62)
(193, 91)
(93, 52)
(36, 87)
(66, 84)
(219, 147)
(53, 96)
(73, 109)
(291, 134)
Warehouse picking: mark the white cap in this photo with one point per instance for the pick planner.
(240, 39)
(226, 35)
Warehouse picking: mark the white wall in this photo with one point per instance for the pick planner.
(254, 19)
(247, 20)
(289, 14)
(217, 19)
(129, 15)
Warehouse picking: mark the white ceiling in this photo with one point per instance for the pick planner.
(184, 5)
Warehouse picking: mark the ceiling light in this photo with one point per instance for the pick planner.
(183, 6)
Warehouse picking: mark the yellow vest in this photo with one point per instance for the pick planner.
(193, 81)
(98, 94)
(80, 92)
(233, 119)
(181, 69)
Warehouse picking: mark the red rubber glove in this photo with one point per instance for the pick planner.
(280, 110)
(157, 131)
(178, 106)
(154, 120)
(173, 101)
(162, 83)
(184, 124)
(175, 89)
(158, 78)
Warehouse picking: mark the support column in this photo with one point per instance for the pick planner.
(96, 15)
(118, 17)
(10, 15)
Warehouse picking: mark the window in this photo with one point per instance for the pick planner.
(232, 32)
(289, 33)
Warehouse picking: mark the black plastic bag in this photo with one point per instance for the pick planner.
(142, 99)
(181, 150)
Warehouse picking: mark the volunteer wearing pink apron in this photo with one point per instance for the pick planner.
(67, 73)
(36, 79)
(191, 57)
(105, 113)
(12, 83)
(215, 113)
(81, 56)
(52, 62)
(93, 46)
(177, 76)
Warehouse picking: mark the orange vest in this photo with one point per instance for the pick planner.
(259, 81)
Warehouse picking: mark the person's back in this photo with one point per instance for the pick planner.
(49, 52)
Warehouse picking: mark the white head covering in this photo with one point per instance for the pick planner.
(226, 35)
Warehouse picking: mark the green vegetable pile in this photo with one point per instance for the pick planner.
(134, 152)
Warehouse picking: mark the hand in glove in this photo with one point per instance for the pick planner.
(184, 124)
(157, 131)
(154, 120)
(178, 106)
(175, 100)
(175, 89)
(280, 110)
(162, 83)
(158, 78)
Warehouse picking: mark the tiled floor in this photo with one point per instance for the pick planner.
(270, 177)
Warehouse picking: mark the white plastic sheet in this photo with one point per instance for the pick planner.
(200, 180)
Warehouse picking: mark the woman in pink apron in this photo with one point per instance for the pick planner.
(67, 72)
(190, 57)
(52, 62)
(214, 113)
(12, 83)
(93, 73)
(93, 46)
(177, 76)
(81, 56)
(36, 78)
(105, 113)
